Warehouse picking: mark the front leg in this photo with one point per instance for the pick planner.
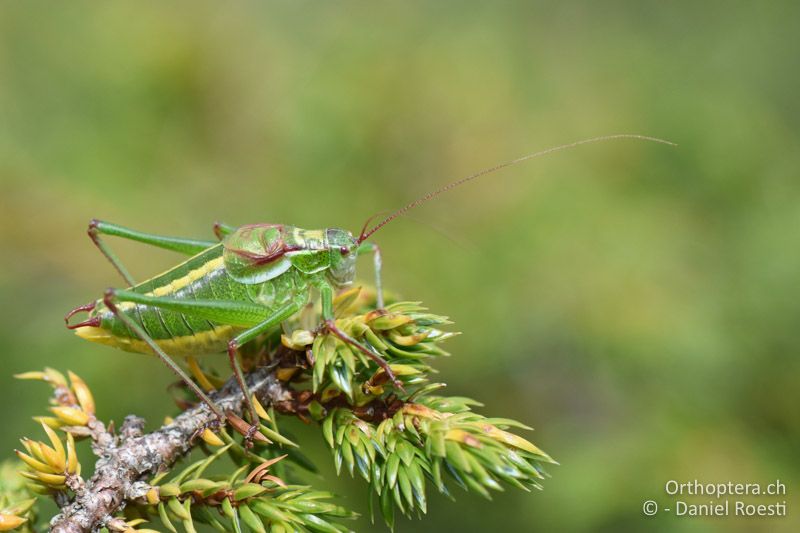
(377, 262)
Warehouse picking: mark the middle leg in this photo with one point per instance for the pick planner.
(246, 336)
(326, 291)
(221, 230)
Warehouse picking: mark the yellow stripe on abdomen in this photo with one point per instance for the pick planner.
(212, 341)
(177, 284)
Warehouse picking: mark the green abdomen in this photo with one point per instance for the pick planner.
(202, 277)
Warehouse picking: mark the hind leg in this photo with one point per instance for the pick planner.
(242, 314)
(111, 299)
(326, 292)
(176, 244)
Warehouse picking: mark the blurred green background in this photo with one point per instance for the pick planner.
(637, 304)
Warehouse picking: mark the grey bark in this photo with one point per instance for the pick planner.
(125, 462)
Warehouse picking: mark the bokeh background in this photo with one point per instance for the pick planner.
(637, 304)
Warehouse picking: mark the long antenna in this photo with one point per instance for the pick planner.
(366, 233)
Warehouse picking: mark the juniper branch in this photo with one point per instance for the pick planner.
(135, 457)
(399, 441)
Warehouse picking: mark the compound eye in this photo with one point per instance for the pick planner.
(344, 250)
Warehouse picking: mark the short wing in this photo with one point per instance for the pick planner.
(256, 253)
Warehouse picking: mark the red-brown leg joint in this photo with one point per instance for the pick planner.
(218, 231)
(92, 229)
